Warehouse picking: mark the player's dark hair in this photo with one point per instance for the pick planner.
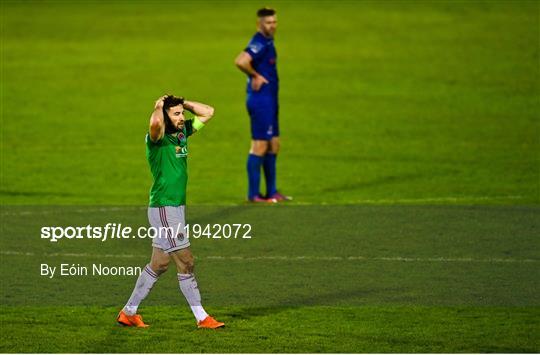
(266, 11)
(168, 102)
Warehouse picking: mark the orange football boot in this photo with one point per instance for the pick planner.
(131, 321)
(210, 323)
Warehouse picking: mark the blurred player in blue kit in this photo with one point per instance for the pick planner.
(258, 61)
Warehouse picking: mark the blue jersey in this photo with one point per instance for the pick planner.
(263, 53)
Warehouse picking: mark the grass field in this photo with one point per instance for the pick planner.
(347, 279)
(410, 141)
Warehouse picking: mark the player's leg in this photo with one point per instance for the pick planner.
(259, 147)
(188, 285)
(183, 259)
(148, 277)
(274, 145)
(270, 160)
(151, 272)
(269, 163)
(145, 282)
(260, 135)
(269, 167)
(255, 160)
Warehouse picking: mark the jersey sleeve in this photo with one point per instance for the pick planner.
(255, 48)
(189, 127)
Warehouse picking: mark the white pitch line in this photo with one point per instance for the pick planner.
(76, 255)
(62, 209)
(441, 199)
(287, 258)
(364, 258)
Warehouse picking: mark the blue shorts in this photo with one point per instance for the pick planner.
(263, 111)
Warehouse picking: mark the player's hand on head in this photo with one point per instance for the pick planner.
(159, 102)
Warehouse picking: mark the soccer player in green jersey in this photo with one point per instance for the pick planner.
(166, 151)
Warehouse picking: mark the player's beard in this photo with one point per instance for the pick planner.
(170, 127)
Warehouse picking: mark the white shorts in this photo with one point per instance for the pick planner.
(170, 225)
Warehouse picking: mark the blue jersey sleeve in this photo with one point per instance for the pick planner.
(255, 48)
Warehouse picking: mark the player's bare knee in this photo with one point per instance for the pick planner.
(159, 267)
(162, 268)
(185, 268)
(259, 147)
(189, 264)
(184, 261)
(274, 146)
(190, 268)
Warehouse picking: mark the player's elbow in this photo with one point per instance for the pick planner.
(155, 122)
(154, 126)
(237, 61)
(240, 62)
(155, 131)
(211, 111)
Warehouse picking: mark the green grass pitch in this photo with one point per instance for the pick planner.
(410, 141)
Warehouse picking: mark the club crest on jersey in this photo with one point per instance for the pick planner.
(181, 137)
(255, 47)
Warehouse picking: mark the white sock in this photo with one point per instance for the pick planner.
(188, 286)
(144, 284)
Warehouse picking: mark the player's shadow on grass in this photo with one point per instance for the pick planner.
(331, 299)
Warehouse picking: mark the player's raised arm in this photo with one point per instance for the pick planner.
(157, 121)
(243, 62)
(203, 113)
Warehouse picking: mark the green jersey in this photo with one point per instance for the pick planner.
(168, 164)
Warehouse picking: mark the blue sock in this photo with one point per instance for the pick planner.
(269, 166)
(254, 163)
